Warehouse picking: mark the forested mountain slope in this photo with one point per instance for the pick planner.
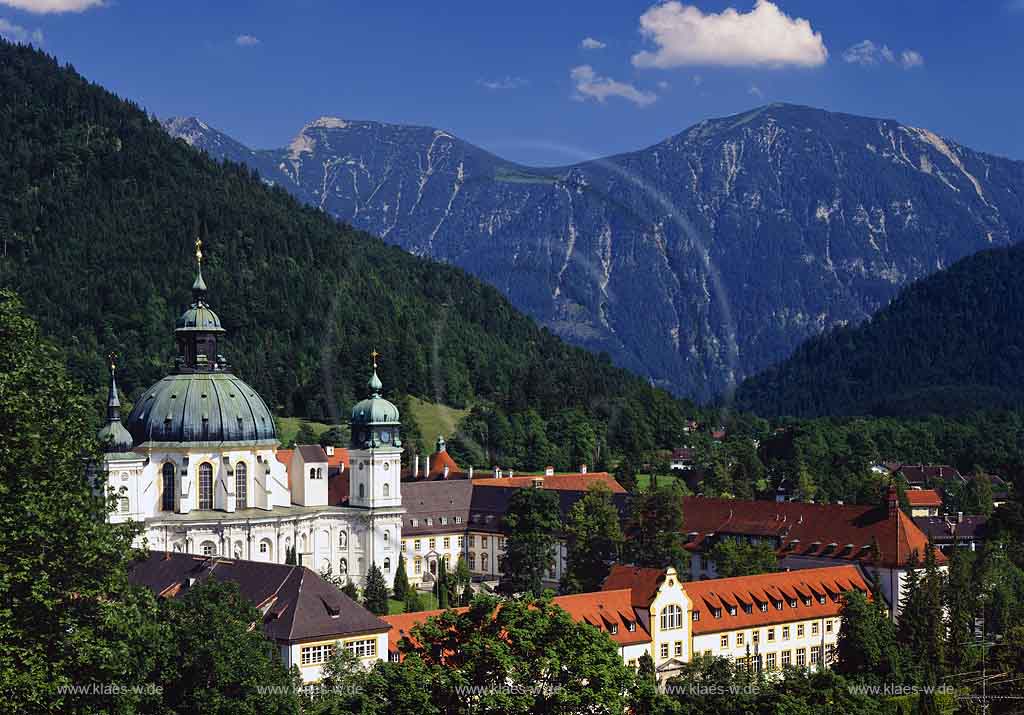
(697, 261)
(98, 211)
(950, 343)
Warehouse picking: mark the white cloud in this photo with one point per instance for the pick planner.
(506, 83)
(755, 91)
(911, 59)
(590, 85)
(869, 54)
(765, 36)
(589, 43)
(17, 33)
(247, 40)
(46, 7)
(663, 84)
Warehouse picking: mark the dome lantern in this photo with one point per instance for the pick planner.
(113, 435)
(198, 329)
(375, 421)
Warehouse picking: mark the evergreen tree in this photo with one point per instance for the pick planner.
(462, 581)
(351, 590)
(961, 603)
(532, 519)
(412, 601)
(867, 638)
(593, 540)
(654, 531)
(306, 435)
(375, 594)
(401, 582)
(68, 614)
(441, 585)
(625, 474)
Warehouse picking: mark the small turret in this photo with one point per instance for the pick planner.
(113, 435)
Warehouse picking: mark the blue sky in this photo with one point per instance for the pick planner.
(522, 79)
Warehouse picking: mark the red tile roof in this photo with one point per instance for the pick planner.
(643, 582)
(575, 481)
(284, 456)
(923, 497)
(610, 611)
(783, 587)
(833, 531)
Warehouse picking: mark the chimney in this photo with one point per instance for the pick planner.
(537, 482)
(549, 471)
(497, 472)
(445, 471)
(959, 517)
(892, 501)
(511, 473)
(416, 467)
(583, 469)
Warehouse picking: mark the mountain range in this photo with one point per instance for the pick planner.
(949, 344)
(697, 261)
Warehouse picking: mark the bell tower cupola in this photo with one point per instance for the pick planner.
(198, 330)
(375, 454)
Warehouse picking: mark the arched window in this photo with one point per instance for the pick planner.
(312, 473)
(266, 549)
(362, 491)
(671, 617)
(208, 548)
(122, 501)
(205, 485)
(319, 472)
(387, 489)
(241, 485)
(387, 536)
(167, 495)
(342, 539)
(387, 565)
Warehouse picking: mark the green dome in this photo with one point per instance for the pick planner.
(199, 317)
(115, 438)
(374, 410)
(201, 407)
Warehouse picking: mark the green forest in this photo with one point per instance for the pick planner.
(99, 209)
(949, 344)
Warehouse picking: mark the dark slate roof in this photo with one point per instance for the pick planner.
(435, 499)
(492, 501)
(943, 529)
(312, 452)
(296, 603)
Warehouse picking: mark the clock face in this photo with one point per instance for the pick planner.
(385, 436)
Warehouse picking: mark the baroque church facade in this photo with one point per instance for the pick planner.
(197, 464)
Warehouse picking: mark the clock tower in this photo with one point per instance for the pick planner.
(375, 455)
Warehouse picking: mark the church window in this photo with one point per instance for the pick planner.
(362, 491)
(241, 485)
(319, 472)
(122, 502)
(167, 495)
(205, 485)
(387, 489)
(387, 536)
(264, 547)
(671, 617)
(387, 565)
(208, 548)
(312, 473)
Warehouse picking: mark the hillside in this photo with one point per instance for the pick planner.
(697, 261)
(98, 211)
(948, 344)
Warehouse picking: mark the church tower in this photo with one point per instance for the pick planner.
(375, 455)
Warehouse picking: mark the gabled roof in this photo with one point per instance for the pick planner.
(311, 452)
(297, 604)
(928, 473)
(923, 497)
(642, 582)
(771, 589)
(867, 534)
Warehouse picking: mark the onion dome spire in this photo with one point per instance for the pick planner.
(375, 384)
(113, 435)
(199, 286)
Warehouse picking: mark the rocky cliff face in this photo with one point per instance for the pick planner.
(696, 261)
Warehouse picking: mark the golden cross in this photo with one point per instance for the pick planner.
(112, 358)
(199, 250)
(374, 354)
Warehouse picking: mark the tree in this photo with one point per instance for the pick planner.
(462, 581)
(401, 583)
(214, 657)
(306, 435)
(734, 557)
(625, 474)
(977, 494)
(441, 585)
(654, 529)
(533, 649)
(961, 604)
(532, 519)
(351, 590)
(922, 626)
(375, 595)
(69, 615)
(867, 638)
(335, 436)
(412, 601)
(593, 540)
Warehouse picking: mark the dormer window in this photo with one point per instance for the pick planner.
(695, 616)
(748, 608)
(614, 629)
(717, 613)
(764, 608)
(732, 610)
(430, 521)
(414, 522)
(631, 626)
